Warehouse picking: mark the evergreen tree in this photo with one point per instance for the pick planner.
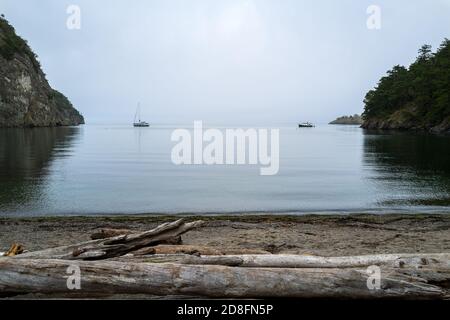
(422, 89)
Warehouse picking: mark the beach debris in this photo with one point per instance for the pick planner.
(119, 245)
(143, 263)
(14, 250)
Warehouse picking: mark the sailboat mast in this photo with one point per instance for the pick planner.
(139, 111)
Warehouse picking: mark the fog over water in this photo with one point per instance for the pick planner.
(223, 61)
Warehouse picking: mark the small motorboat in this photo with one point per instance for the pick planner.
(306, 125)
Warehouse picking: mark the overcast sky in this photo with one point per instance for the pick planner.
(223, 61)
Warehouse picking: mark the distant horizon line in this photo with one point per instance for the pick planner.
(208, 123)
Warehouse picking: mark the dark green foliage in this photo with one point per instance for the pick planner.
(11, 44)
(422, 90)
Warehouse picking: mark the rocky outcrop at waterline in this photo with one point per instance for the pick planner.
(351, 120)
(405, 119)
(26, 98)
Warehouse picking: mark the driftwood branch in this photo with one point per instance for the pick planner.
(194, 250)
(115, 246)
(104, 233)
(113, 277)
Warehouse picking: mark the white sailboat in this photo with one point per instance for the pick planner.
(139, 122)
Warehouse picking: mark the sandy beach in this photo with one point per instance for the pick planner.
(324, 235)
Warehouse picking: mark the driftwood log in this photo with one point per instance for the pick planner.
(115, 246)
(113, 277)
(405, 261)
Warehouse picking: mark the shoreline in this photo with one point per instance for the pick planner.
(240, 215)
(427, 210)
(310, 234)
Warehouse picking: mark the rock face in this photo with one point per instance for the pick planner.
(26, 98)
(408, 118)
(355, 120)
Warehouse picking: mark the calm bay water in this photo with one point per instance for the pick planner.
(121, 169)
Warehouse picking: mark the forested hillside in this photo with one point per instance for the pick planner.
(413, 98)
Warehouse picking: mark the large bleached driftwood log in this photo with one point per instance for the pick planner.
(113, 277)
(298, 261)
(115, 246)
(435, 260)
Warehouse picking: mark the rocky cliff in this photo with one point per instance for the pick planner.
(26, 98)
(355, 120)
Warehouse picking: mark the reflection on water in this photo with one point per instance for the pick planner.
(416, 167)
(25, 156)
(121, 169)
